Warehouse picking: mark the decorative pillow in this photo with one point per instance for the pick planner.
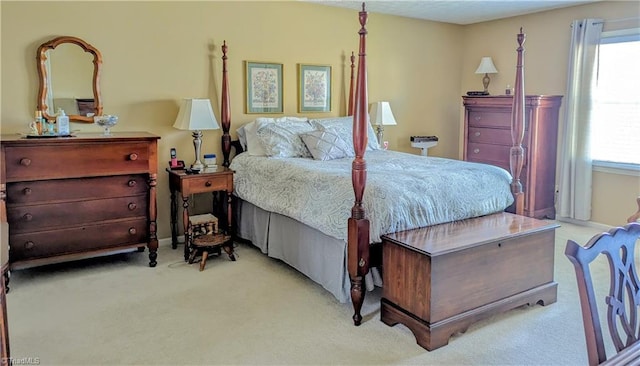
(282, 139)
(254, 146)
(327, 145)
(242, 136)
(344, 127)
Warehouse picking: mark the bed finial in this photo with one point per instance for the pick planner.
(224, 109)
(516, 158)
(363, 20)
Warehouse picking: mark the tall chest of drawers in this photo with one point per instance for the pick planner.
(77, 197)
(487, 139)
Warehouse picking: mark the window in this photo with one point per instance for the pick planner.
(616, 101)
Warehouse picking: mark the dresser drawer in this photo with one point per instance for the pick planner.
(75, 160)
(496, 136)
(490, 119)
(485, 156)
(75, 240)
(494, 119)
(64, 214)
(31, 192)
(488, 153)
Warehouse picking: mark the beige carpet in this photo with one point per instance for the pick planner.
(257, 311)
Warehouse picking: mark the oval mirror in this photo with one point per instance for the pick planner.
(69, 75)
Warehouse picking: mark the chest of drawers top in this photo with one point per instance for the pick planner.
(84, 155)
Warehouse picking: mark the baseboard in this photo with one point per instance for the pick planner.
(167, 241)
(593, 224)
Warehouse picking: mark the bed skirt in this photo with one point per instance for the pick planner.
(318, 256)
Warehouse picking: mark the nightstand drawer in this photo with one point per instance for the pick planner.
(208, 183)
(72, 161)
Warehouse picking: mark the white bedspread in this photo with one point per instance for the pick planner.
(403, 191)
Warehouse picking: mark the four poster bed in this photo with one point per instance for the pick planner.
(294, 202)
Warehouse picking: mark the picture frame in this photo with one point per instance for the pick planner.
(314, 88)
(264, 87)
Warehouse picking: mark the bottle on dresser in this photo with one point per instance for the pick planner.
(62, 122)
(36, 125)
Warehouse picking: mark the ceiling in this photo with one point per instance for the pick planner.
(455, 11)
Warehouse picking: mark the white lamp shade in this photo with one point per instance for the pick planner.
(195, 115)
(381, 114)
(486, 66)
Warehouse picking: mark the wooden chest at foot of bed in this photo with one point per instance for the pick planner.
(438, 280)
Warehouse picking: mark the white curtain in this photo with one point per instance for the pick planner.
(574, 196)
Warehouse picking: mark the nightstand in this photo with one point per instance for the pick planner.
(219, 180)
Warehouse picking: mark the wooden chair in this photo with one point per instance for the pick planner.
(622, 301)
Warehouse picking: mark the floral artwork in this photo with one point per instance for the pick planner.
(264, 87)
(314, 88)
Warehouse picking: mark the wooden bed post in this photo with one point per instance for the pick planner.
(351, 81)
(516, 158)
(358, 238)
(224, 110)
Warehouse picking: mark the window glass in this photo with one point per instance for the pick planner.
(615, 135)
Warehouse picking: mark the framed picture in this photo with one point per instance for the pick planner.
(263, 87)
(314, 88)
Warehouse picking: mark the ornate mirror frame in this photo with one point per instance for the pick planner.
(42, 76)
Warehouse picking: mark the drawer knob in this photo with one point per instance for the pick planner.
(133, 156)
(25, 162)
(27, 217)
(476, 151)
(132, 231)
(208, 184)
(477, 134)
(131, 183)
(477, 118)
(132, 206)
(29, 245)
(26, 191)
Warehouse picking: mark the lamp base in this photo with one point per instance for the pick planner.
(197, 165)
(485, 83)
(379, 133)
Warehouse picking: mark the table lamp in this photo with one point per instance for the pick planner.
(196, 115)
(381, 115)
(486, 67)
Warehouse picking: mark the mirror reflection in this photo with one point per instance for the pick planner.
(69, 70)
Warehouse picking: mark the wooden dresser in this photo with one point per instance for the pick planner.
(77, 197)
(487, 139)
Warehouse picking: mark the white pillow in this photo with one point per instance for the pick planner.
(327, 145)
(292, 119)
(344, 127)
(282, 139)
(242, 136)
(254, 146)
